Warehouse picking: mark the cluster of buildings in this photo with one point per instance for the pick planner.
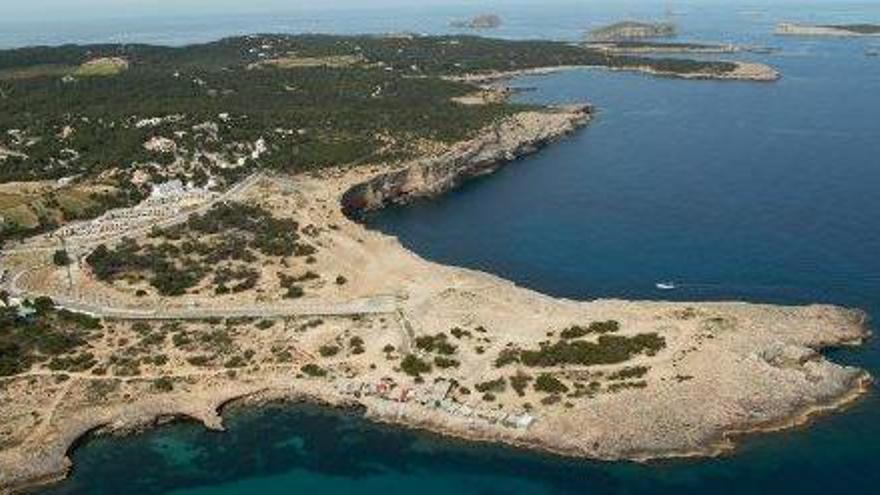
(165, 201)
(434, 396)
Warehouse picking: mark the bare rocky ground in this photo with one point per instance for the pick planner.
(722, 368)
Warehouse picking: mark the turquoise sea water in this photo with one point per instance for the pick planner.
(764, 192)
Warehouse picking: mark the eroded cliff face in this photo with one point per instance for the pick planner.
(516, 136)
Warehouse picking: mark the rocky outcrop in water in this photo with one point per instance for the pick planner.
(485, 21)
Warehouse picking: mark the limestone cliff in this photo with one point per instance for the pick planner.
(513, 138)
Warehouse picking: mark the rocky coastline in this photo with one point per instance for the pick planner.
(510, 140)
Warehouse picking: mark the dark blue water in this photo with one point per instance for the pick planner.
(733, 190)
(749, 191)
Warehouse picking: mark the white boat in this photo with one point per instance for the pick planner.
(665, 285)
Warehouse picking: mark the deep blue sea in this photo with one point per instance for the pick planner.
(762, 192)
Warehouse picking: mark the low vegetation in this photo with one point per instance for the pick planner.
(550, 384)
(41, 333)
(328, 350)
(444, 362)
(414, 366)
(313, 370)
(498, 385)
(61, 258)
(629, 373)
(520, 382)
(436, 343)
(597, 327)
(221, 241)
(607, 349)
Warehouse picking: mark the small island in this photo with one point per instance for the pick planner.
(833, 30)
(484, 21)
(632, 30)
(165, 256)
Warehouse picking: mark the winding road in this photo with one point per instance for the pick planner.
(372, 305)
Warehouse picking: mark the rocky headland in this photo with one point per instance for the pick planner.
(742, 71)
(681, 379)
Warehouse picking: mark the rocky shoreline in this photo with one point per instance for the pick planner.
(630, 48)
(511, 139)
(759, 362)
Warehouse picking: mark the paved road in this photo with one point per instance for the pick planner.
(379, 304)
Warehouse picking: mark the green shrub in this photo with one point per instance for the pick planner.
(236, 362)
(459, 333)
(328, 350)
(444, 362)
(549, 384)
(519, 382)
(313, 370)
(618, 386)
(199, 360)
(436, 343)
(597, 327)
(163, 384)
(413, 366)
(628, 373)
(61, 258)
(498, 385)
(508, 355)
(181, 339)
(609, 349)
(265, 324)
(79, 362)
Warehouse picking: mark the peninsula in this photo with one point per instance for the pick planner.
(193, 240)
(657, 47)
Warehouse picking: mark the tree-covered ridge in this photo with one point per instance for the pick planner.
(216, 100)
(428, 55)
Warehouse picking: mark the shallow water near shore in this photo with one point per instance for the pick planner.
(760, 192)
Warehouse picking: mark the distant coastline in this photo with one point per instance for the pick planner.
(830, 30)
